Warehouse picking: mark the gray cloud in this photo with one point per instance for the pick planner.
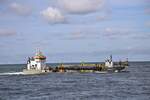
(116, 33)
(81, 34)
(76, 36)
(107, 33)
(141, 36)
(147, 7)
(20, 9)
(3, 1)
(147, 10)
(81, 6)
(100, 55)
(148, 23)
(7, 32)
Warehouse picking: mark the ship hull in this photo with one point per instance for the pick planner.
(116, 69)
(32, 72)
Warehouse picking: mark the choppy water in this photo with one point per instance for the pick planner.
(132, 85)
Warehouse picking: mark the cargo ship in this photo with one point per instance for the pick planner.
(37, 65)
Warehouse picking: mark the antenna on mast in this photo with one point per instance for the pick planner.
(111, 57)
(38, 51)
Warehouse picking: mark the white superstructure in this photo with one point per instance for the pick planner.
(109, 62)
(38, 62)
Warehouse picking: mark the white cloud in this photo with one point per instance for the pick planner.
(53, 15)
(20, 9)
(7, 32)
(81, 6)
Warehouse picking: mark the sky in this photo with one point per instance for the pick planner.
(74, 30)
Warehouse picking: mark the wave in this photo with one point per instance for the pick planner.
(12, 73)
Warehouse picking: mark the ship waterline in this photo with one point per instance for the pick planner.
(27, 72)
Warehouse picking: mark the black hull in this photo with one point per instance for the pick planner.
(91, 68)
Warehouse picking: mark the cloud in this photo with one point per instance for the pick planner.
(141, 36)
(20, 9)
(3, 1)
(147, 1)
(7, 32)
(147, 10)
(53, 15)
(115, 32)
(76, 35)
(126, 3)
(124, 33)
(133, 50)
(81, 34)
(147, 24)
(81, 6)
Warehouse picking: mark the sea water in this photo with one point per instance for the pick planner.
(134, 84)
